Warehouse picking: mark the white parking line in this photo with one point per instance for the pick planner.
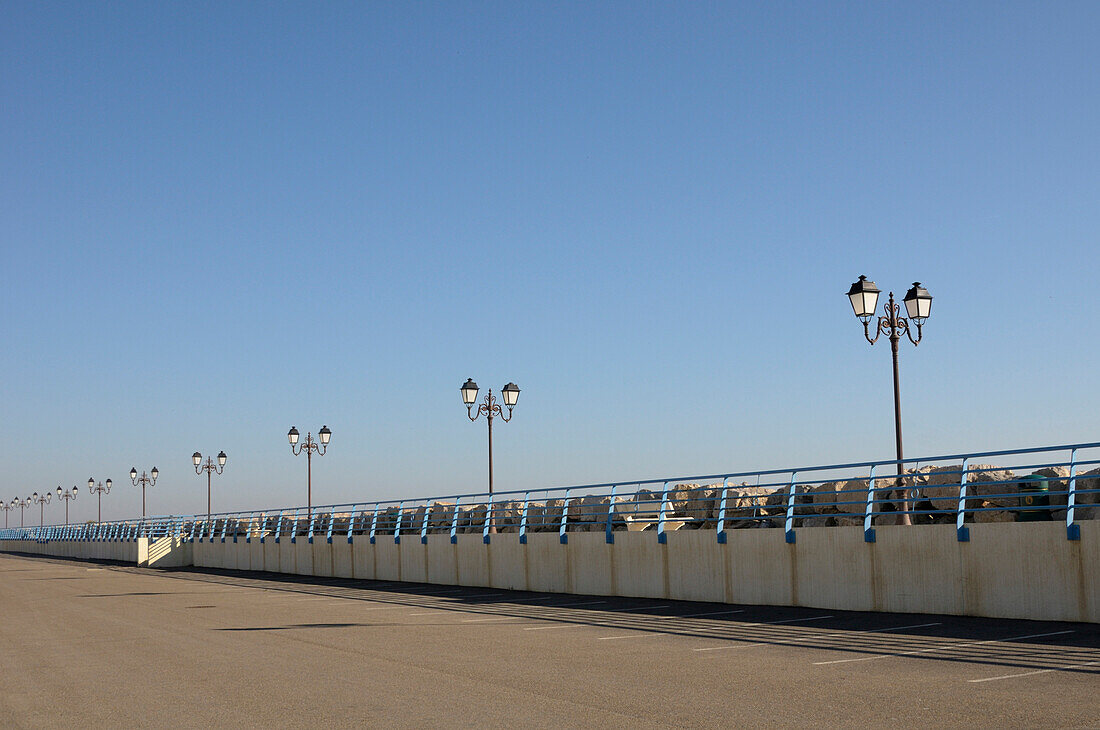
(555, 626)
(530, 600)
(709, 613)
(941, 648)
(629, 636)
(765, 623)
(641, 608)
(497, 618)
(439, 593)
(1037, 671)
(570, 605)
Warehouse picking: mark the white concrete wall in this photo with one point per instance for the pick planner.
(1009, 570)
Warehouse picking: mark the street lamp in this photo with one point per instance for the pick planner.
(7, 507)
(210, 468)
(490, 409)
(41, 501)
(143, 481)
(98, 489)
(309, 447)
(66, 495)
(863, 295)
(22, 504)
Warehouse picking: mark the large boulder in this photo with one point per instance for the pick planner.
(440, 517)
(590, 509)
(991, 483)
(1087, 486)
(997, 486)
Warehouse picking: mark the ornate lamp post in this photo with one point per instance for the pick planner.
(98, 489)
(41, 501)
(22, 504)
(210, 468)
(490, 409)
(918, 305)
(7, 507)
(144, 481)
(309, 447)
(66, 495)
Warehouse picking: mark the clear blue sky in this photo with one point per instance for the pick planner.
(219, 220)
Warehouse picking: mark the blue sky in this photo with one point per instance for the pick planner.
(219, 220)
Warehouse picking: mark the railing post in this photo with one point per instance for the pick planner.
(869, 512)
(424, 523)
(1073, 530)
(294, 532)
(610, 536)
(454, 522)
(331, 524)
(225, 526)
(374, 523)
(279, 526)
(722, 511)
(523, 519)
(312, 522)
(351, 523)
(562, 537)
(662, 538)
(488, 520)
(788, 526)
(962, 532)
(397, 526)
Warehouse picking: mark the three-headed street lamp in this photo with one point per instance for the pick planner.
(22, 504)
(98, 489)
(309, 446)
(144, 481)
(210, 468)
(918, 305)
(41, 501)
(67, 495)
(490, 409)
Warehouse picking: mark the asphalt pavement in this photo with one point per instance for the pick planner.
(106, 645)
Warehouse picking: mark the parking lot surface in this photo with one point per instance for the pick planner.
(105, 645)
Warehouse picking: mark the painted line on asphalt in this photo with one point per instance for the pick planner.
(764, 623)
(629, 636)
(496, 618)
(556, 626)
(1037, 671)
(941, 648)
(709, 613)
(825, 636)
(642, 608)
(530, 600)
(570, 605)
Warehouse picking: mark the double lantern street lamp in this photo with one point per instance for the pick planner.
(98, 489)
(22, 504)
(210, 468)
(41, 501)
(67, 495)
(490, 409)
(309, 446)
(144, 481)
(7, 507)
(918, 305)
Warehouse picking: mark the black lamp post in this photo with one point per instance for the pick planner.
(41, 501)
(490, 409)
(99, 490)
(7, 507)
(67, 495)
(309, 446)
(144, 481)
(210, 468)
(863, 295)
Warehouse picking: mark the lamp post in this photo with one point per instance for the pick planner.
(490, 409)
(99, 490)
(41, 501)
(7, 507)
(210, 468)
(66, 495)
(863, 295)
(309, 447)
(22, 504)
(144, 481)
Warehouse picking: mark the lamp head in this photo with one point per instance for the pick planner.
(196, 458)
(292, 435)
(469, 392)
(221, 458)
(510, 393)
(863, 295)
(918, 303)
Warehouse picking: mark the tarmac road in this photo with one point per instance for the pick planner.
(102, 645)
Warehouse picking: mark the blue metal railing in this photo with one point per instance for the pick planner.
(1046, 483)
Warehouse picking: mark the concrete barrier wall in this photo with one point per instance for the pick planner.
(1008, 570)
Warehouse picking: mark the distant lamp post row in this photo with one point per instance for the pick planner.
(41, 501)
(144, 481)
(490, 409)
(99, 489)
(210, 468)
(68, 495)
(863, 295)
(309, 446)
